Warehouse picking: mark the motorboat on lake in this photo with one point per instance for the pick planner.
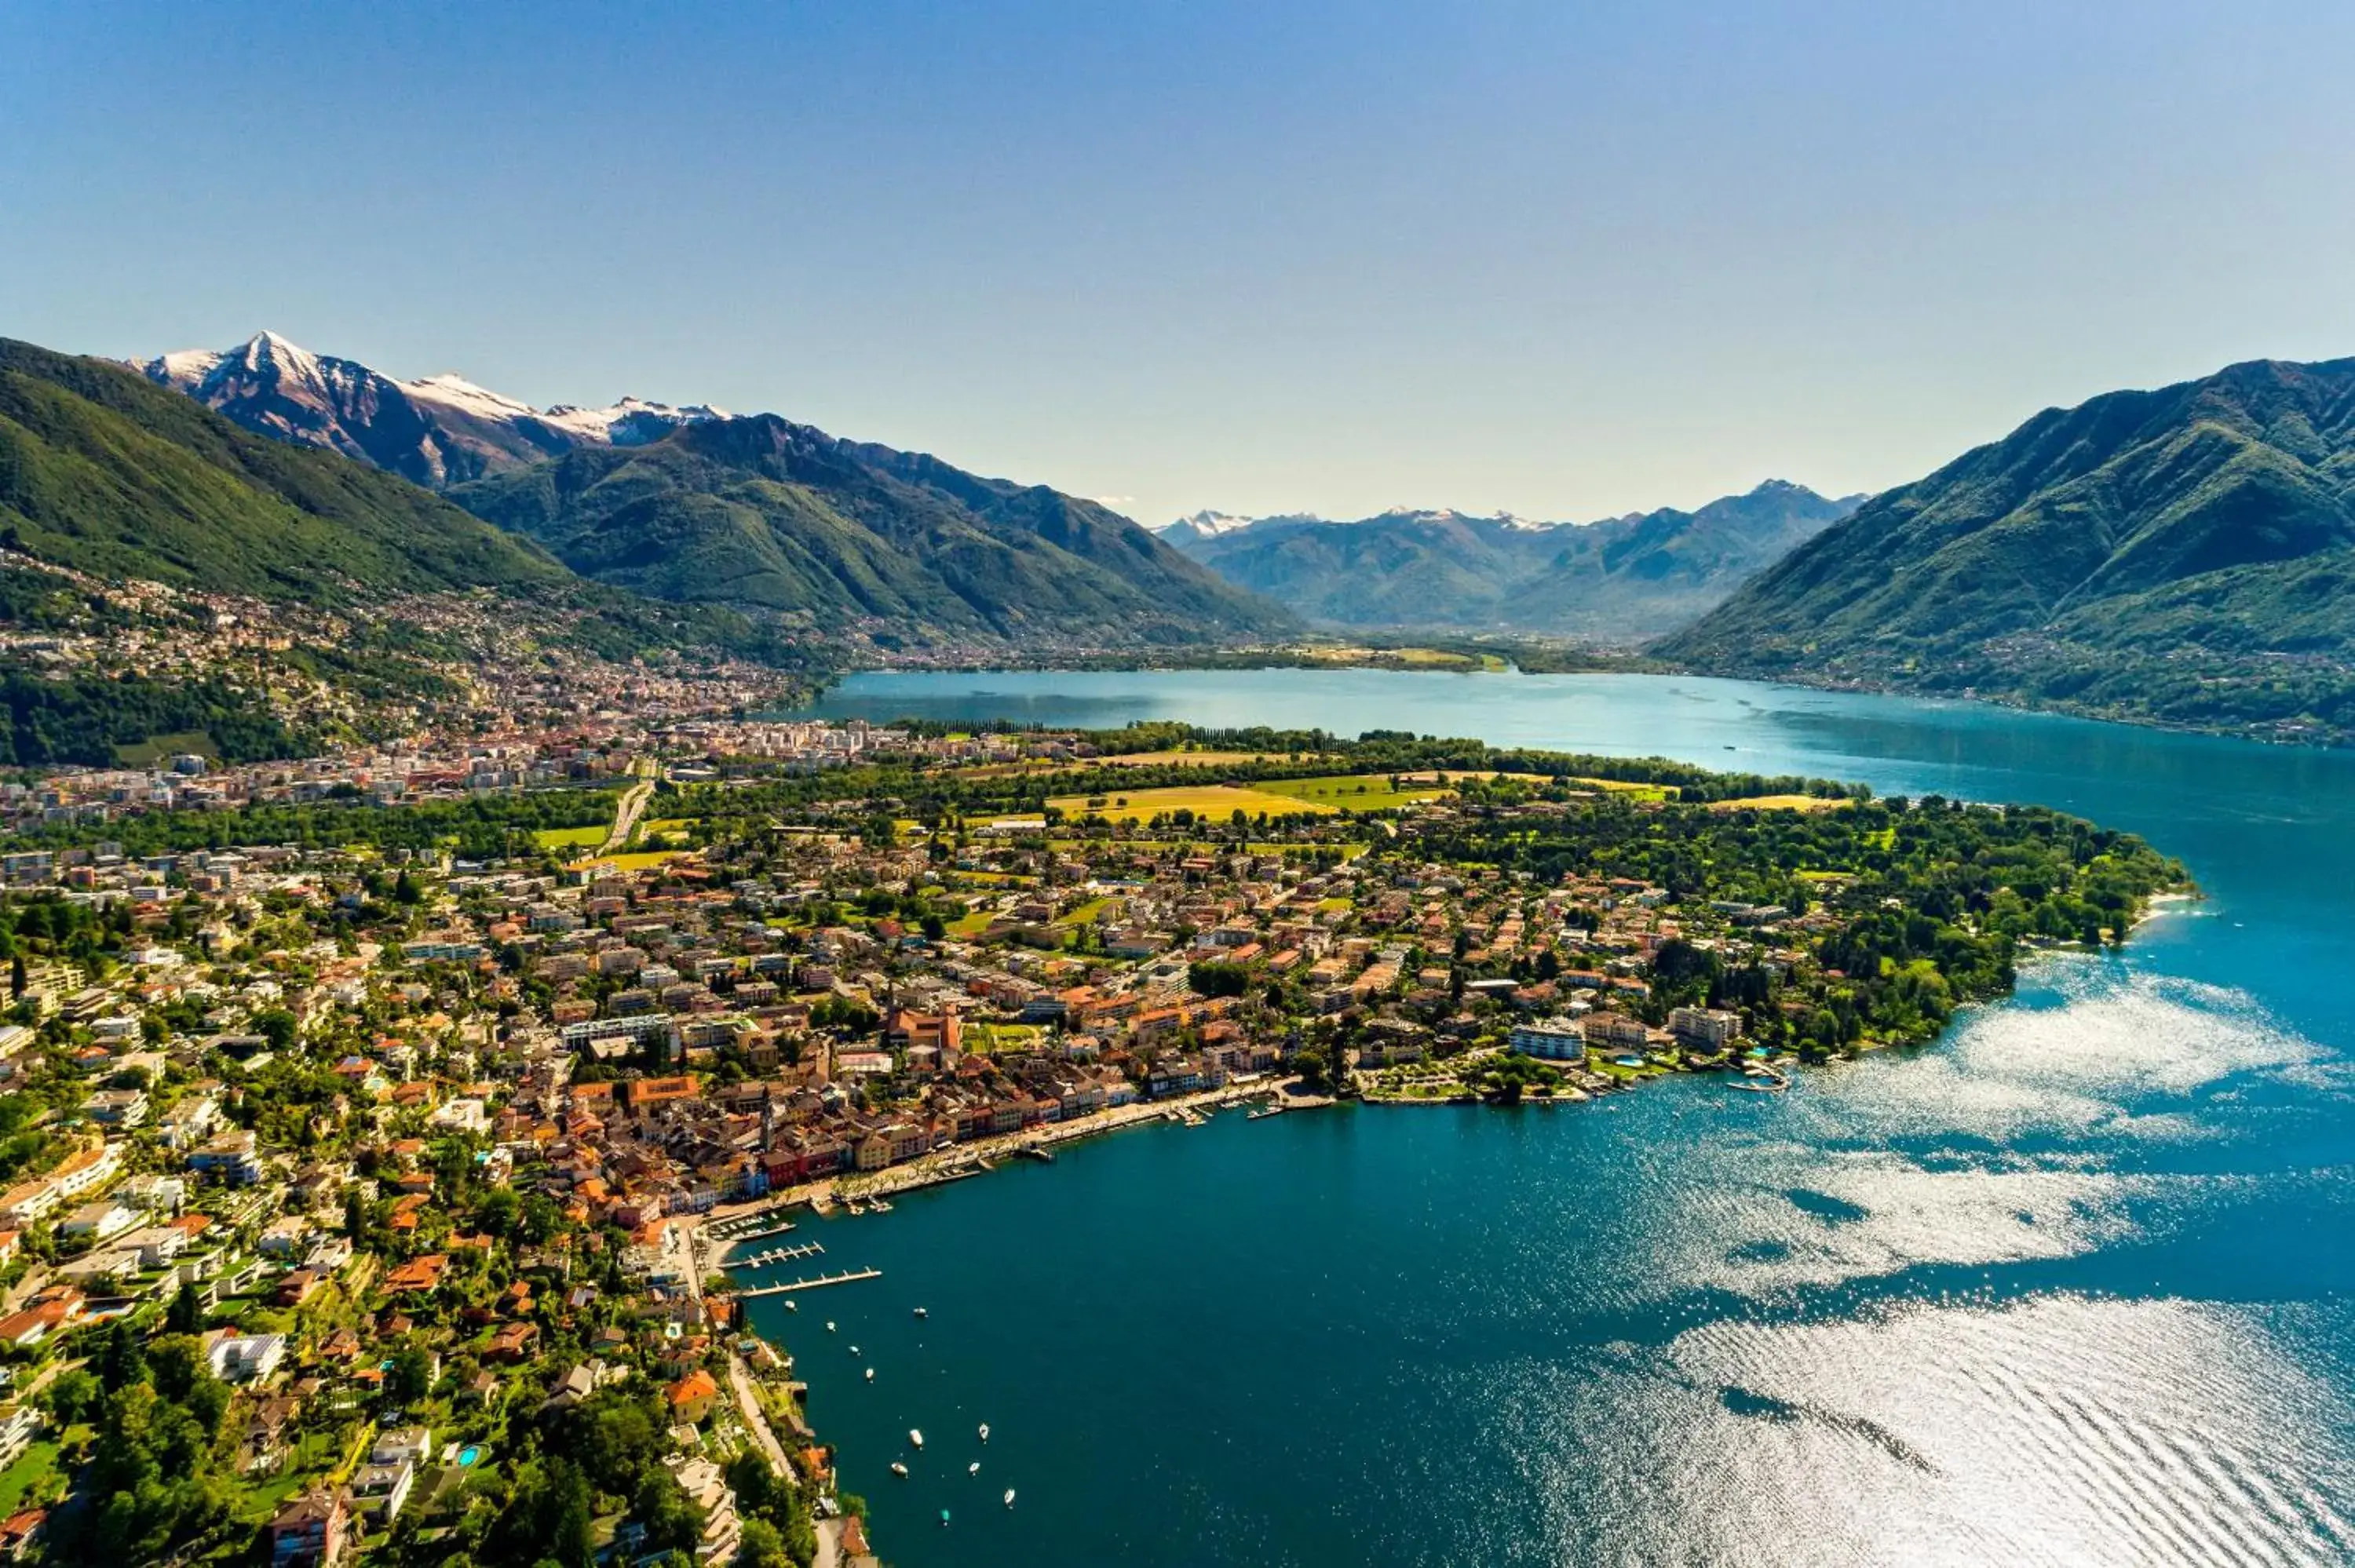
(898, 1469)
(915, 1437)
(985, 1431)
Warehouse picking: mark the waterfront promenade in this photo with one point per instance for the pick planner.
(959, 1160)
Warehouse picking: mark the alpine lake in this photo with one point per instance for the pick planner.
(2073, 1285)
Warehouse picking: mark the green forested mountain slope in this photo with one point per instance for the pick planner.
(104, 471)
(2184, 555)
(763, 513)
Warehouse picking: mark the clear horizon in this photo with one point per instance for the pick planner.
(1337, 261)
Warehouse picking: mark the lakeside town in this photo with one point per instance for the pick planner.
(372, 1191)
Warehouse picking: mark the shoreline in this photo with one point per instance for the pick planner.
(707, 1253)
(2257, 735)
(962, 1161)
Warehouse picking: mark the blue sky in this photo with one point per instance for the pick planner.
(1564, 259)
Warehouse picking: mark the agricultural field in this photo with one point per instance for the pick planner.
(1358, 792)
(1433, 659)
(1621, 787)
(1440, 658)
(1776, 803)
(1217, 801)
(572, 838)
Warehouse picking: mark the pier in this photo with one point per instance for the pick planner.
(781, 1254)
(825, 1279)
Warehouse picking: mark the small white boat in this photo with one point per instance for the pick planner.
(921, 1313)
(789, 1305)
(854, 1349)
(871, 1375)
(829, 1324)
(915, 1437)
(974, 1469)
(1009, 1497)
(898, 1469)
(985, 1431)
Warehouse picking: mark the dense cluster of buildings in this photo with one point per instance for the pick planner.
(249, 1097)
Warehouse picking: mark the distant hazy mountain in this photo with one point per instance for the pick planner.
(440, 431)
(1203, 527)
(1624, 579)
(2187, 553)
(761, 511)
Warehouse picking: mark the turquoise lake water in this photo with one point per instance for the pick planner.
(2072, 1285)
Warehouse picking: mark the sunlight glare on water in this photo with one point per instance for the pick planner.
(2072, 1285)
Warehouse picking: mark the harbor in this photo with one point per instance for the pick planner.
(960, 1162)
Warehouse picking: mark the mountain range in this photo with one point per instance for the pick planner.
(436, 431)
(1622, 580)
(106, 473)
(764, 513)
(2185, 555)
(696, 506)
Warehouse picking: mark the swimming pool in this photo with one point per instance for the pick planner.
(468, 1454)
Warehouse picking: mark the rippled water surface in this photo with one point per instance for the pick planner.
(2070, 1287)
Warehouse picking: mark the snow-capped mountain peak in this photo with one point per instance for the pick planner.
(183, 368)
(630, 422)
(440, 429)
(455, 391)
(1444, 515)
(1208, 524)
(266, 347)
